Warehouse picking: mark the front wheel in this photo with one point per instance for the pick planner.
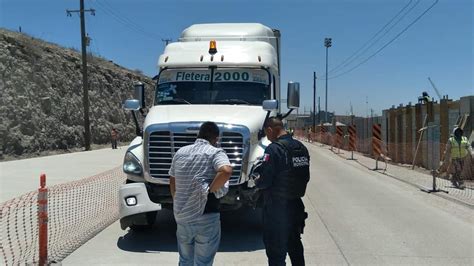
(150, 218)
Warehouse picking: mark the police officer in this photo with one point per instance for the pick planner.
(283, 177)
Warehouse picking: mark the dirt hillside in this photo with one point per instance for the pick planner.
(41, 97)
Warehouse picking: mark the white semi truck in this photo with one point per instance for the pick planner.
(225, 73)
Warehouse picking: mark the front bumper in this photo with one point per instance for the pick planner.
(143, 202)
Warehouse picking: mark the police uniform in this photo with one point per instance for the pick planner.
(283, 213)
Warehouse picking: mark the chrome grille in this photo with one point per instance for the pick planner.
(159, 153)
(232, 144)
(162, 145)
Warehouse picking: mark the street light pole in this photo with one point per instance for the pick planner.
(314, 101)
(327, 44)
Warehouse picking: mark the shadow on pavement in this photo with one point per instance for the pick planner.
(159, 238)
(241, 231)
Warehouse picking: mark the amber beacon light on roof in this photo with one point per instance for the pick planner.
(212, 47)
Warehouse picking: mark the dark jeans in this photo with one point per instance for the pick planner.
(283, 222)
(114, 144)
(456, 179)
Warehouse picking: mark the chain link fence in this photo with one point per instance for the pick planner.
(77, 211)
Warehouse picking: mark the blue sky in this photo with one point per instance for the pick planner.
(439, 45)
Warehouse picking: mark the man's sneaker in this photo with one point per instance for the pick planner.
(455, 184)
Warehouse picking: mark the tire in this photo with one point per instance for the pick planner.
(150, 221)
(151, 217)
(140, 228)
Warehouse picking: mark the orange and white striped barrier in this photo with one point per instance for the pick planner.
(376, 140)
(352, 140)
(377, 143)
(339, 138)
(322, 135)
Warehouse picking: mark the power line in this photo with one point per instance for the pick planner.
(353, 57)
(121, 20)
(356, 52)
(131, 22)
(388, 43)
(93, 40)
(126, 22)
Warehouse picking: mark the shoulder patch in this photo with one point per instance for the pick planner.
(266, 157)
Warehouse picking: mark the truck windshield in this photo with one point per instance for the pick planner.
(227, 86)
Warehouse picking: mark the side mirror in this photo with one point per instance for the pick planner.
(270, 105)
(140, 94)
(132, 105)
(293, 95)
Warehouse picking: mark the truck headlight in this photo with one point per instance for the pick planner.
(131, 165)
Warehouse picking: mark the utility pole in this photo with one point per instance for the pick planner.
(367, 116)
(166, 41)
(327, 44)
(319, 109)
(314, 101)
(297, 116)
(366, 106)
(85, 83)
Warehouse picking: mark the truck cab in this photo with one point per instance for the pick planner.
(225, 73)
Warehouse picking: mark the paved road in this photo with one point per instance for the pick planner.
(356, 217)
(22, 176)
